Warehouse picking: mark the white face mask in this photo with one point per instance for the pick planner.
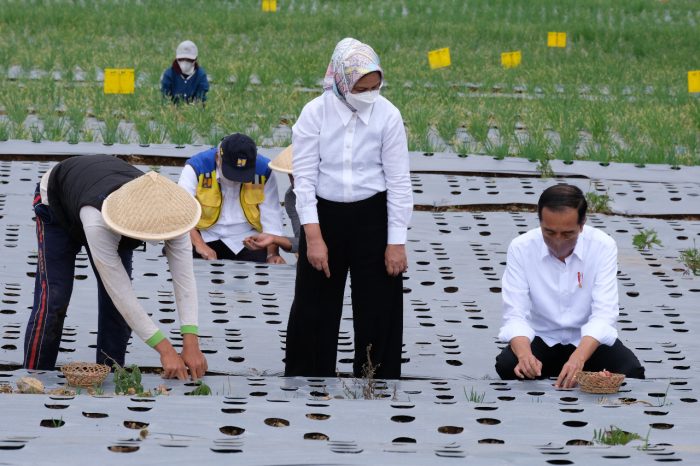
(187, 67)
(362, 100)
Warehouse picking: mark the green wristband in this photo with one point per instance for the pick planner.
(155, 339)
(189, 329)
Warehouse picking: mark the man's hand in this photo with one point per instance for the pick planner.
(173, 366)
(576, 361)
(528, 365)
(193, 357)
(568, 372)
(206, 252)
(275, 259)
(395, 259)
(259, 241)
(200, 246)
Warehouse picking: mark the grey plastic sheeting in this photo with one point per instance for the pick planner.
(420, 161)
(626, 197)
(452, 315)
(260, 420)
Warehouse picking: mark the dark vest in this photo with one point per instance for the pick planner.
(86, 181)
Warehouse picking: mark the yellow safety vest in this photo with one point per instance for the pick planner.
(209, 196)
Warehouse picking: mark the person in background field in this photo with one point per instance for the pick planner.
(282, 163)
(354, 199)
(111, 207)
(560, 302)
(185, 81)
(238, 194)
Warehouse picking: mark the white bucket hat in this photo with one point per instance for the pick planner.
(151, 208)
(186, 49)
(283, 161)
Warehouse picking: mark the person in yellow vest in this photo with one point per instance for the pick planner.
(238, 195)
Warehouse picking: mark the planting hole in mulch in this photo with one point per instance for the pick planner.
(231, 430)
(661, 426)
(575, 423)
(315, 436)
(95, 415)
(232, 410)
(450, 429)
(276, 422)
(318, 416)
(579, 442)
(403, 418)
(488, 421)
(123, 448)
(492, 441)
(404, 440)
(135, 425)
(11, 445)
(52, 423)
(55, 406)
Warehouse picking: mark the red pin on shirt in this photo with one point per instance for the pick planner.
(580, 279)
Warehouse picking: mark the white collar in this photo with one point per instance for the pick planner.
(579, 249)
(346, 114)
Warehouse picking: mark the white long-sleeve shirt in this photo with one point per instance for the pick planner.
(346, 156)
(104, 243)
(561, 301)
(232, 227)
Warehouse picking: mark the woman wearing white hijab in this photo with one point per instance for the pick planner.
(354, 201)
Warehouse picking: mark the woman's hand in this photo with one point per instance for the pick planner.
(395, 259)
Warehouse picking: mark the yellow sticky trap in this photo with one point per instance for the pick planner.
(694, 81)
(119, 81)
(556, 39)
(511, 59)
(439, 58)
(269, 6)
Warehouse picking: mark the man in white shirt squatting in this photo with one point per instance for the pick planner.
(238, 194)
(560, 299)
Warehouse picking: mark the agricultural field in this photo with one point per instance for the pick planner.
(618, 91)
(485, 140)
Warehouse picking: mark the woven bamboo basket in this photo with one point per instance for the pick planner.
(595, 382)
(85, 374)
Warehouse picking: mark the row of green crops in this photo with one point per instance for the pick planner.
(639, 51)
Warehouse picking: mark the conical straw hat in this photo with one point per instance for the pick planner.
(283, 161)
(151, 208)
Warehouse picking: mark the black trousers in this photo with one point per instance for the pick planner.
(224, 252)
(356, 236)
(53, 285)
(616, 358)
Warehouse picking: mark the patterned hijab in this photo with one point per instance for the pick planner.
(351, 61)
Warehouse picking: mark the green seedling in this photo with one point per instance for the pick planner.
(691, 259)
(36, 133)
(201, 390)
(646, 239)
(473, 396)
(127, 381)
(109, 131)
(4, 130)
(614, 436)
(598, 203)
